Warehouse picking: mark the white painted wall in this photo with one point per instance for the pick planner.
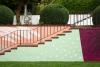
(34, 19)
(72, 19)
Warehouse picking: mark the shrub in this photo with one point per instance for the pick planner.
(78, 6)
(6, 15)
(54, 14)
(96, 16)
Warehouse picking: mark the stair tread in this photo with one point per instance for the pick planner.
(41, 43)
(30, 45)
(61, 34)
(48, 40)
(55, 37)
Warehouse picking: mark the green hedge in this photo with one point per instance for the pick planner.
(96, 16)
(54, 14)
(6, 15)
(78, 6)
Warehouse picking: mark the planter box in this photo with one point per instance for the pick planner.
(90, 41)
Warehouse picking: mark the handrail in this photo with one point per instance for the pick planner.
(3, 47)
(8, 33)
(54, 33)
(4, 43)
(28, 37)
(82, 19)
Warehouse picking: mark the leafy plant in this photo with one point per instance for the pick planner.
(6, 15)
(78, 6)
(96, 16)
(54, 14)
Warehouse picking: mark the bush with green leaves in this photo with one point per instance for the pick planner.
(96, 16)
(79, 6)
(54, 14)
(6, 15)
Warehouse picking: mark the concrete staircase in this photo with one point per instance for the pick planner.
(30, 36)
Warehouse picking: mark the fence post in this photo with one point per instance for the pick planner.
(20, 37)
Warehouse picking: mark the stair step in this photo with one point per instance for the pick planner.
(41, 43)
(8, 50)
(67, 31)
(61, 34)
(2, 52)
(14, 48)
(55, 37)
(48, 40)
(30, 45)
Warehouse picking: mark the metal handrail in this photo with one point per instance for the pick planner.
(20, 38)
(82, 19)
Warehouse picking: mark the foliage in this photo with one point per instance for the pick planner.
(34, 6)
(79, 5)
(13, 3)
(42, 4)
(96, 16)
(71, 5)
(54, 14)
(6, 15)
(18, 6)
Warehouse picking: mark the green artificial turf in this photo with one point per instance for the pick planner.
(49, 64)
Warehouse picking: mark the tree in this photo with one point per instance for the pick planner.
(42, 4)
(79, 5)
(17, 5)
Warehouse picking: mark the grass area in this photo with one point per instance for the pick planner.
(49, 64)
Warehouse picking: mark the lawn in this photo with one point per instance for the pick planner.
(49, 64)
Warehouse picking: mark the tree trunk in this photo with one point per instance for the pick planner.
(18, 15)
(18, 10)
